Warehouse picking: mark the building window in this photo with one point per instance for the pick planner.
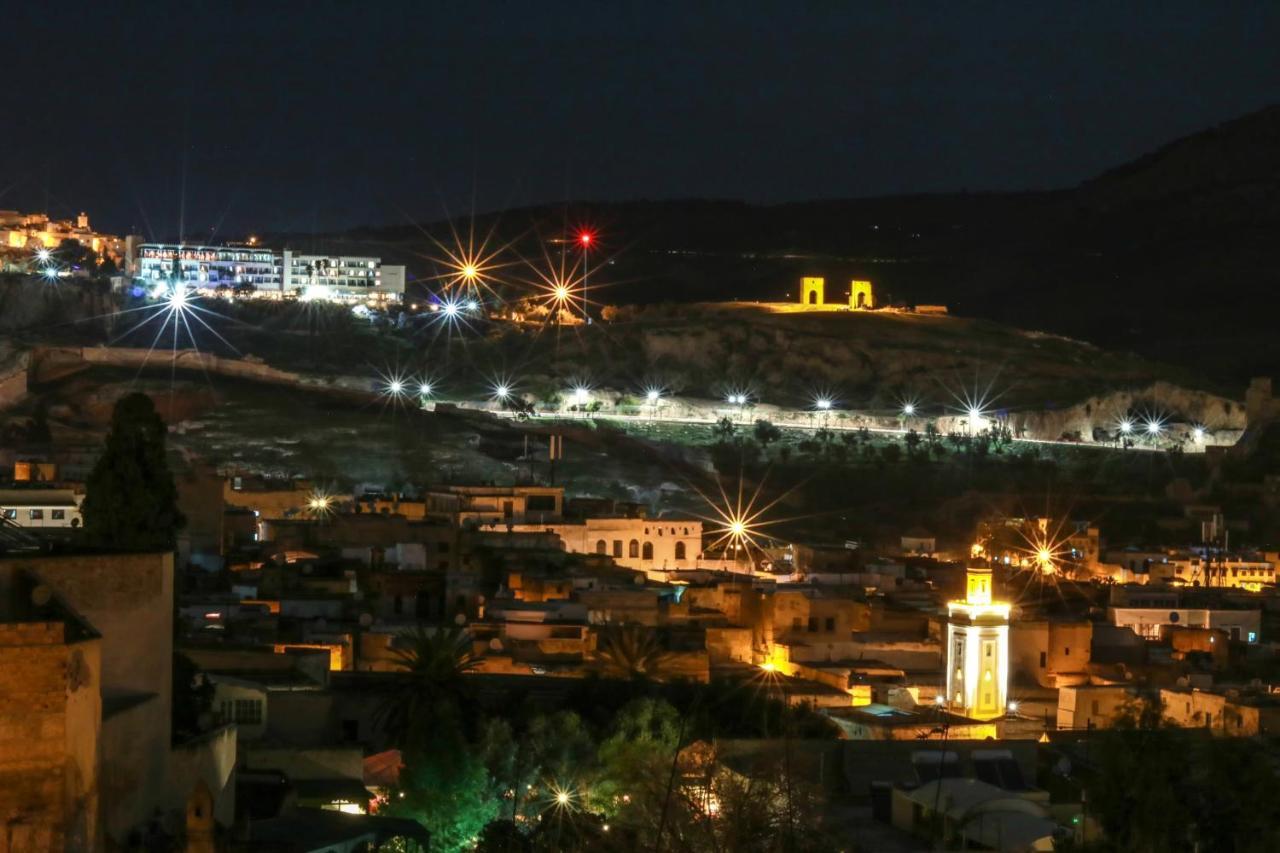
(1066, 651)
(795, 623)
(59, 515)
(37, 514)
(1095, 706)
(617, 547)
(246, 712)
(813, 624)
(601, 546)
(11, 514)
(680, 551)
(633, 550)
(1043, 659)
(647, 552)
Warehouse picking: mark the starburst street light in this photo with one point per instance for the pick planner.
(1126, 426)
(736, 523)
(43, 255)
(1197, 433)
(1154, 427)
(974, 405)
(50, 273)
(653, 395)
(468, 263)
(822, 404)
(425, 388)
(501, 389)
(908, 409)
(320, 504)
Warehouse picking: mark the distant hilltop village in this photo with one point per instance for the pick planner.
(27, 233)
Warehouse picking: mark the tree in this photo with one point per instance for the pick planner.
(444, 785)
(628, 651)
(433, 666)
(192, 696)
(131, 502)
(724, 429)
(766, 433)
(1157, 787)
(912, 440)
(75, 254)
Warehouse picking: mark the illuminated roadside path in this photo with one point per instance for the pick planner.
(746, 426)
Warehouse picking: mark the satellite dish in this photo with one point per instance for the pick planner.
(41, 595)
(495, 644)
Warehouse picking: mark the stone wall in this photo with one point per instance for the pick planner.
(50, 710)
(128, 599)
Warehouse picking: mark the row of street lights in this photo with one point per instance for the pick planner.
(503, 390)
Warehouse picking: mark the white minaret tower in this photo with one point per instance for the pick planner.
(977, 650)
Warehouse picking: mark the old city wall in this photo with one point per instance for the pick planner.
(128, 599)
(50, 710)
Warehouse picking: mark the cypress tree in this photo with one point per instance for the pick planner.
(131, 502)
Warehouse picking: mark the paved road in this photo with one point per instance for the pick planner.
(834, 427)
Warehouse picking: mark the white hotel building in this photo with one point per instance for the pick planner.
(271, 274)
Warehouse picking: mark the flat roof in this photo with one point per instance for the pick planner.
(38, 497)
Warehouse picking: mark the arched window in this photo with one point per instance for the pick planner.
(647, 552)
(679, 550)
(617, 547)
(601, 547)
(633, 550)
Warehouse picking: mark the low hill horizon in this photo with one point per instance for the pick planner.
(1177, 247)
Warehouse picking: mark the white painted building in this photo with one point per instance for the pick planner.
(345, 278)
(1151, 622)
(645, 544)
(208, 267)
(41, 508)
(342, 277)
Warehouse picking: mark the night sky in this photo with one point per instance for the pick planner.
(317, 116)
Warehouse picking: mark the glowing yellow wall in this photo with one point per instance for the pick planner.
(812, 290)
(860, 294)
(978, 586)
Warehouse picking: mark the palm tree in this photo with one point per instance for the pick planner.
(432, 664)
(629, 651)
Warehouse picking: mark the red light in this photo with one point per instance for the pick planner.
(585, 238)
